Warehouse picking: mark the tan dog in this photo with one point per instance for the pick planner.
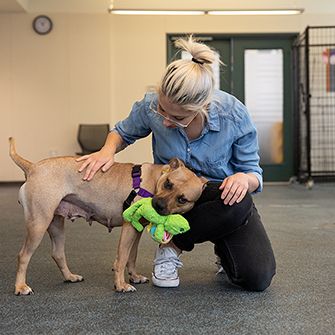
(54, 190)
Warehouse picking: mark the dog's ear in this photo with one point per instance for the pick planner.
(175, 163)
(204, 182)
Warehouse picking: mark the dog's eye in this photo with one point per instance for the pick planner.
(168, 185)
(182, 200)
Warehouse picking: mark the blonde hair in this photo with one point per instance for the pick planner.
(190, 82)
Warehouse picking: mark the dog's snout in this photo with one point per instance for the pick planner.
(159, 204)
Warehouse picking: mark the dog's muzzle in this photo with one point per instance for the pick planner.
(160, 206)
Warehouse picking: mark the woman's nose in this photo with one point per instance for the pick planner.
(168, 123)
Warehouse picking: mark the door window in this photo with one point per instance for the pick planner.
(263, 87)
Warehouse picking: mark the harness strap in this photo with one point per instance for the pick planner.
(137, 189)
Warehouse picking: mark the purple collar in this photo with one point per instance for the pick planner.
(137, 189)
(136, 174)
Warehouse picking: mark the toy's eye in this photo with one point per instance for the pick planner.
(182, 200)
(168, 185)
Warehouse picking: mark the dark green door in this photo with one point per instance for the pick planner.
(257, 71)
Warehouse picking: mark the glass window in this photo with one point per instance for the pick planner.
(264, 100)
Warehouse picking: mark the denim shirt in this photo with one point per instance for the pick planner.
(228, 143)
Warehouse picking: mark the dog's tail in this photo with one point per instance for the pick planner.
(19, 161)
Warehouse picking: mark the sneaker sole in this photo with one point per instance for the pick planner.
(165, 283)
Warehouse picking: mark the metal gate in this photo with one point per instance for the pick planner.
(314, 59)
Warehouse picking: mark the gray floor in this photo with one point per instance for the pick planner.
(301, 300)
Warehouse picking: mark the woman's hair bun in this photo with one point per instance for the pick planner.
(200, 52)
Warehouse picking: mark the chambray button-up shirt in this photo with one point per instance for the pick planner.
(228, 143)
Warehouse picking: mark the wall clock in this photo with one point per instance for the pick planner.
(42, 24)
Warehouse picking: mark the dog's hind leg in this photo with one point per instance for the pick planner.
(35, 232)
(57, 236)
(134, 277)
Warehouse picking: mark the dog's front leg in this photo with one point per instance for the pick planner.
(134, 277)
(127, 240)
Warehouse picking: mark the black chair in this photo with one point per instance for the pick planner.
(91, 137)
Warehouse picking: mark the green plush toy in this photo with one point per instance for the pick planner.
(162, 228)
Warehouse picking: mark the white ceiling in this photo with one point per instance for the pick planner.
(10, 6)
(100, 6)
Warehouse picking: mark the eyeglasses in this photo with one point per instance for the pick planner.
(171, 119)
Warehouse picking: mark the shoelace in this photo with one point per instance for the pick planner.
(168, 265)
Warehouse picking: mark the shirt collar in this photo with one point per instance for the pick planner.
(213, 118)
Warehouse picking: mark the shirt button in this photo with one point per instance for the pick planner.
(188, 149)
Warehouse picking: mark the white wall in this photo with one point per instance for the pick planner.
(91, 68)
(49, 84)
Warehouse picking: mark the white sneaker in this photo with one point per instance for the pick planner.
(166, 263)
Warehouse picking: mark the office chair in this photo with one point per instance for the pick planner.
(91, 137)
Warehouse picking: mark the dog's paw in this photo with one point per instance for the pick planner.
(73, 278)
(124, 288)
(23, 289)
(138, 279)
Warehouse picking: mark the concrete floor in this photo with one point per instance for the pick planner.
(301, 299)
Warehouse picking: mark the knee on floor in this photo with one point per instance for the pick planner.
(256, 281)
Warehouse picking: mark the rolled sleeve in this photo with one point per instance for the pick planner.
(136, 125)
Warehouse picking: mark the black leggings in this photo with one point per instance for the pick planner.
(238, 235)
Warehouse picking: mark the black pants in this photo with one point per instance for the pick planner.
(238, 235)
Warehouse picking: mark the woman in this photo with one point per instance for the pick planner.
(211, 131)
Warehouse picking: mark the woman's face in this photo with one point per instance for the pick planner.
(174, 115)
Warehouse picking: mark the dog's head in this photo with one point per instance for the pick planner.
(177, 189)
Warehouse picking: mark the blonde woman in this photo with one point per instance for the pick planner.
(211, 131)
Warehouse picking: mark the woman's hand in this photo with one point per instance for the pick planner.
(234, 187)
(102, 159)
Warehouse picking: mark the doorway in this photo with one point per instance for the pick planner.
(258, 71)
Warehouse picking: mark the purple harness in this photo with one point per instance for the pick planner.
(137, 189)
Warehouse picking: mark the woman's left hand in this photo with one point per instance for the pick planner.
(234, 187)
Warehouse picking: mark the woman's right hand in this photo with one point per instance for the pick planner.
(102, 159)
